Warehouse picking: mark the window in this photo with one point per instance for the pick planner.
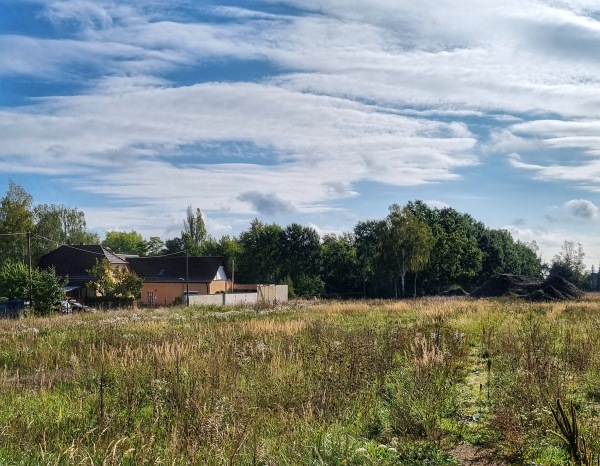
(150, 298)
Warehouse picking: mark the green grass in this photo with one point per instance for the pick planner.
(363, 383)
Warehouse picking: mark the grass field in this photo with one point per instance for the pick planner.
(325, 383)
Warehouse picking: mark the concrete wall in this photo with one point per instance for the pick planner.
(281, 293)
(266, 293)
(272, 293)
(240, 298)
(207, 299)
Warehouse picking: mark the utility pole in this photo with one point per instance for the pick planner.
(29, 260)
(233, 275)
(187, 278)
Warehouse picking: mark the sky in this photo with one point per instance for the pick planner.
(322, 113)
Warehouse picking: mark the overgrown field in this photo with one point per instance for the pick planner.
(357, 383)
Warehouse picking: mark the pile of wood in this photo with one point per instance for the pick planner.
(554, 288)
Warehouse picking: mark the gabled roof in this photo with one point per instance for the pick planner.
(169, 269)
(75, 261)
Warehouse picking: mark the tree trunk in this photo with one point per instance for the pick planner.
(402, 281)
(415, 291)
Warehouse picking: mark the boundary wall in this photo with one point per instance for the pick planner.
(264, 294)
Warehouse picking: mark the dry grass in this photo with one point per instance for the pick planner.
(309, 384)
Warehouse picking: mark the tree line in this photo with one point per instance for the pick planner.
(415, 250)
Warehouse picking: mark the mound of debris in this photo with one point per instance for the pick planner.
(454, 293)
(554, 288)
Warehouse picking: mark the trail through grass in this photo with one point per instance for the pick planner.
(355, 383)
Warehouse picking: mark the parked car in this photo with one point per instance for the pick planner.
(78, 307)
(64, 307)
(14, 308)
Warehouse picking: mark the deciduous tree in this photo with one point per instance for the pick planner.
(124, 242)
(339, 264)
(57, 225)
(111, 283)
(16, 219)
(568, 263)
(406, 245)
(194, 231)
(46, 288)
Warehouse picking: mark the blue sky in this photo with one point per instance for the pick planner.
(318, 112)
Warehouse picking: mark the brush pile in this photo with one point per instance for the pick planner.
(554, 288)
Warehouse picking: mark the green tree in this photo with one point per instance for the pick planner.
(46, 288)
(156, 246)
(227, 247)
(127, 284)
(455, 256)
(367, 239)
(260, 257)
(568, 263)
(174, 245)
(114, 283)
(14, 280)
(56, 225)
(123, 242)
(16, 219)
(300, 259)
(103, 280)
(406, 245)
(339, 264)
(529, 260)
(194, 231)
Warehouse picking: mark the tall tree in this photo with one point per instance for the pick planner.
(124, 242)
(57, 225)
(227, 247)
(339, 264)
(367, 239)
(194, 231)
(406, 245)
(174, 245)
(260, 258)
(16, 219)
(301, 248)
(456, 258)
(156, 246)
(568, 263)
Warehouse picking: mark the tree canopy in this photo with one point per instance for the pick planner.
(435, 248)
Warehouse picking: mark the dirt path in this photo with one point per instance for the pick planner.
(469, 455)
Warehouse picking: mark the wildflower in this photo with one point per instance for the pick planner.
(361, 451)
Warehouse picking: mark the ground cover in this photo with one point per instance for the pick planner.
(438, 382)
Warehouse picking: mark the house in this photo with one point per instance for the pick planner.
(169, 278)
(74, 262)
(166, 278)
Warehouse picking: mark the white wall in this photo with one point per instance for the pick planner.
(240, 298)
(272, 292)
(205, 299)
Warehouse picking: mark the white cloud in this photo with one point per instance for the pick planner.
(398, 93)
(575, 210)
(146, 131)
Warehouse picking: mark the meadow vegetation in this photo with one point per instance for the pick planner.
(325, 383)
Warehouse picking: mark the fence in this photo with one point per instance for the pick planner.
(264, 294)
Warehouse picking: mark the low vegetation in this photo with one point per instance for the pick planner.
(356, 383)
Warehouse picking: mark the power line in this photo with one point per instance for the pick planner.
(98, 253)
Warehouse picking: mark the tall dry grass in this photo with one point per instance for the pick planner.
(309, 384)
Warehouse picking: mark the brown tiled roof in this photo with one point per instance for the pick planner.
(169, 269)
(75, 261)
